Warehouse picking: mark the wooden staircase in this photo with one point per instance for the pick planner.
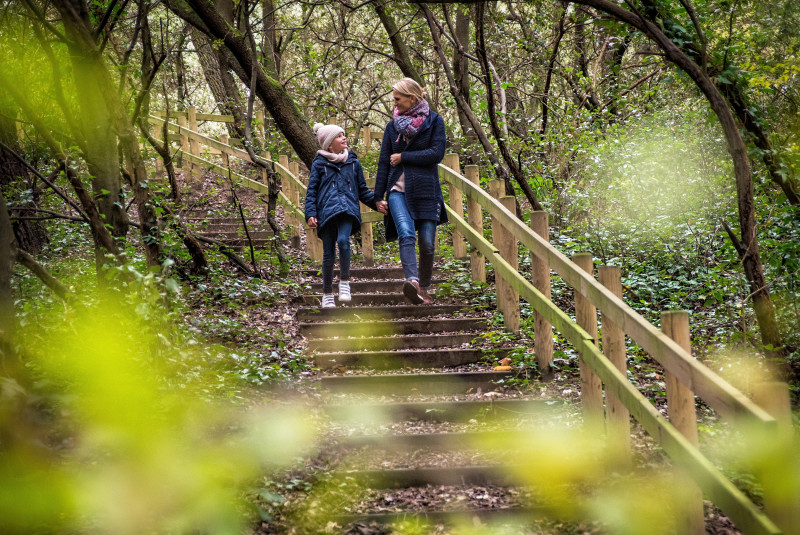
(406, 384)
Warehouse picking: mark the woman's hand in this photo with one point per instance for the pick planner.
(394, 159)
(383, 207)
(312, 222)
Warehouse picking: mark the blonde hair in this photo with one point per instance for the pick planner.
(410, 87)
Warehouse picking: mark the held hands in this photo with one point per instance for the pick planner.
(394, 159)
(383, 207)
(312, 222)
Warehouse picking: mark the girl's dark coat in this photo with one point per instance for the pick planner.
(420, 160)
(336, 188)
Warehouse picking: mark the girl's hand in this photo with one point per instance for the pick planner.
(394, 159)
(383, 207)
(312, 222)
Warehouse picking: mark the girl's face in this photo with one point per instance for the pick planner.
(403, 102)
(338, 144)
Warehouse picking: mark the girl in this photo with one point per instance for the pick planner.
(408, 175)
(335, 185)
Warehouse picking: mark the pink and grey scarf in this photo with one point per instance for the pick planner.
(335, 158)
(409, 123)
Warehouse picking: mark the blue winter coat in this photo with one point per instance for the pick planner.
(420, 160)
(336, 188)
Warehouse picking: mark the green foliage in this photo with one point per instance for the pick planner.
(131, 437)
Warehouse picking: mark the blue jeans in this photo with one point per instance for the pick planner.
(407, 230)
(335, 232)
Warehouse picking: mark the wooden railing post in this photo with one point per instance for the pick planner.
(260, 124)
(543, 331)
(367, 238)
(294, 197)
(506, 243)
(186, 167)
(586, 315)
(226, 161)
(155, 131)
(366, 140)
(683, 416)
(781, 489)
(194, 146)
(477, 262)
(313, 243)
(618, 426)
(457, 204)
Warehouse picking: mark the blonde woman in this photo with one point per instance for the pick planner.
(408, 176)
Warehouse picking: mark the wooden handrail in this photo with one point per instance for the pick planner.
(731, 500)
(714, 390)
(212, 117)
(233, 151)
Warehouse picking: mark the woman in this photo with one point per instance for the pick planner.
(413, 145)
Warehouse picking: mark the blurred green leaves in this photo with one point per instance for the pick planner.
(93, 438)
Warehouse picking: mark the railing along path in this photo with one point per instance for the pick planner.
(685, 376)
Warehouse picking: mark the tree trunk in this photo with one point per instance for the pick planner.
(30, 235)
(7, 319)
(113, 113)
(751, 260)
(226, 94)
(464, 15)
(401, 56)
(203, 16)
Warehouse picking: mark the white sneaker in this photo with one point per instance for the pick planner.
(327, 301)
(344, 292)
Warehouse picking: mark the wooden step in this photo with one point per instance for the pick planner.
(375, 313)
(360, 299)
(442, 411)
(372, 286)
(483, 518)
(419, 477)
(406, 384)
(385, 343)
(388, 328)
(381, 273)
(474, 440)
(387, 360)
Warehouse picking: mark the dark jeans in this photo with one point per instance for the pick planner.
(336, 231)
(407, 230)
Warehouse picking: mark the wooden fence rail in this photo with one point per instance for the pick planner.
(685, 375)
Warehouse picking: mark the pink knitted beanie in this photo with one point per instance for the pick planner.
(326, 133)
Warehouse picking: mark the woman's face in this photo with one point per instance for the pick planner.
(403, 102)
(338, 144)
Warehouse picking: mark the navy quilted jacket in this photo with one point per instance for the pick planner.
(420, 160)
(336, 188)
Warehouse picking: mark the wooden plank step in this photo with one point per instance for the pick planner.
(472, 440)
(361, 313)
(441, 411)
(426, 383)
(372, 286)
(381, 273)
(239, 235)
(240, 242)
(360, 299)
(501, 475)
(384, 343)
(388, 328)
(484, 517)
(386, 360)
